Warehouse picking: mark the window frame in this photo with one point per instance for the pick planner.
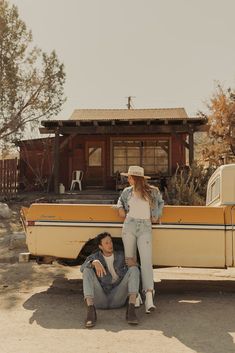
(214, 187)
(140, 139)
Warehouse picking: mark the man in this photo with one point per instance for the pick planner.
(108, 281)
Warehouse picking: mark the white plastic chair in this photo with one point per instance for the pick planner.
(77, 176)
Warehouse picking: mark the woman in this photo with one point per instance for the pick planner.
(141, 204)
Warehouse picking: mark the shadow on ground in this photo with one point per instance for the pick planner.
(203, 322)
(16, 279)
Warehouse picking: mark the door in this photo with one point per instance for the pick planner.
(95, 165)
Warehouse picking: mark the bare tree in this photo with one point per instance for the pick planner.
(31, 81)
(36, 164)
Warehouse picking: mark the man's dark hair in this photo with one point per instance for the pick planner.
(101, 236)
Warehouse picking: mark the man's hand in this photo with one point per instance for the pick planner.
(99, 268)
(122, 212)
(131, 261)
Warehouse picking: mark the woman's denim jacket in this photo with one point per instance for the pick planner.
(158, 203)
(119, 265)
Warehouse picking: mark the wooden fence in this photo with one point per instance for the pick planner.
(8, 176)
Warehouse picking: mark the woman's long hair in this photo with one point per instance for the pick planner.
(142, 187)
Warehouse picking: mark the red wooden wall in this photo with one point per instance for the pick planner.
(36, 160)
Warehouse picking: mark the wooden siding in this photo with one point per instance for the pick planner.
(36, 164)
(36, 158)
(8, 176)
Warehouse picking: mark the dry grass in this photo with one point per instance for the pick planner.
(188, 186)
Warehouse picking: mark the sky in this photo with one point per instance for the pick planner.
(163, 53)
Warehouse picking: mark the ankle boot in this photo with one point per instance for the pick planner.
(91, 316)
(149, 306)
(131, 315)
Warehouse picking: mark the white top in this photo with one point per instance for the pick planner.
(109, 261)
(138, 207)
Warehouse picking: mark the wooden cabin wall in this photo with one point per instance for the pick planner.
(77, 156)
(35, 163)
(37, 156)
(177, 151)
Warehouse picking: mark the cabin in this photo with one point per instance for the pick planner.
(102, 143)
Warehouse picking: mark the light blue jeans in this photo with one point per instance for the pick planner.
(138, 232)
(117, 296)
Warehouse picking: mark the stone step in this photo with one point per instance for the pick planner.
(86, 196)
(97, 197)
(86, 201)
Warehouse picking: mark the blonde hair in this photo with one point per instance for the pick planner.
(142, 187)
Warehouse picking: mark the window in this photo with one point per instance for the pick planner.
(94, 158)
(214, 190)
(152, 155)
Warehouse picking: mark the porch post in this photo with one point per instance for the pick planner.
(191, 147)
(56, 162)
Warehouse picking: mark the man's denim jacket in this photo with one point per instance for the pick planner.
(119, 265)
(158, 203)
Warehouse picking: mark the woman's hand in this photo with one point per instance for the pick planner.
(122, 212)
(131, 261)
(99, 268)
(156, 220)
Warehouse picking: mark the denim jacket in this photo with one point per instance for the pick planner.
(119, 265)
(155, 210)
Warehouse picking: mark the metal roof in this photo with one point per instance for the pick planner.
(129, 114)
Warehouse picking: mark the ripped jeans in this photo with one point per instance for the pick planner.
(138, 232)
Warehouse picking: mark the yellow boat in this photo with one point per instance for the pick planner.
(193, 236)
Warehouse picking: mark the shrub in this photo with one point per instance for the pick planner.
(188, 185)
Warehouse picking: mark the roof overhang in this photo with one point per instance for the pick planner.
(144, 126)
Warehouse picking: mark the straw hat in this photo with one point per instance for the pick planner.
(135, 170)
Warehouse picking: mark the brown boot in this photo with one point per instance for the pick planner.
(131, 315)
(91, 316)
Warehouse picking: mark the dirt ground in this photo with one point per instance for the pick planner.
(12, 240)
(42, 309)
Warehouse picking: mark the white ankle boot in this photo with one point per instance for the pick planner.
(149, 306)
